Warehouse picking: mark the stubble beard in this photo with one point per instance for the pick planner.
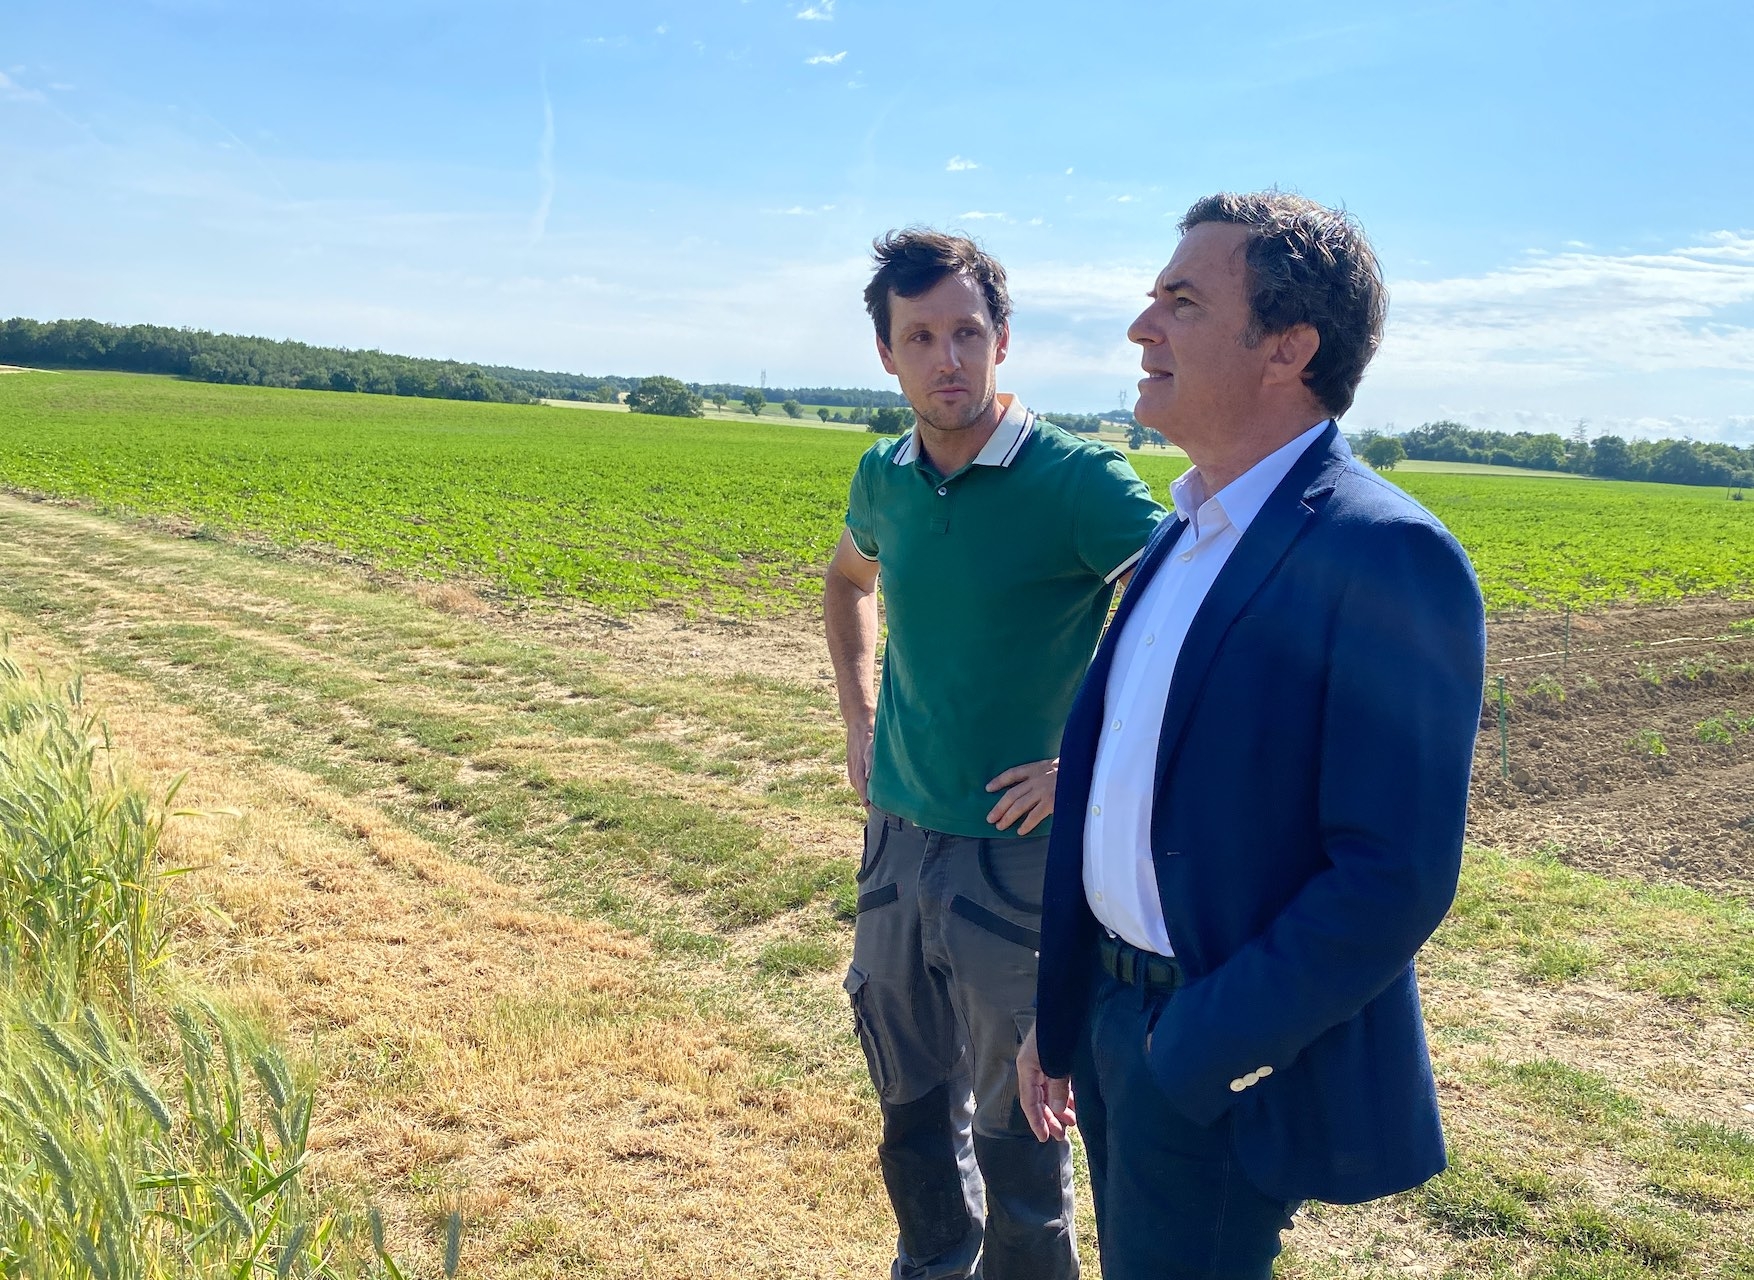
(939, 420)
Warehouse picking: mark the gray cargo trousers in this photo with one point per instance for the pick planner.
(943, 990)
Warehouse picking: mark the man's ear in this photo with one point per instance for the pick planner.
(884, 355)
(1004, 344)
(1291, 353)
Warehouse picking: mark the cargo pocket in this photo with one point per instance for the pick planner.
(855, 985)
(872, 851)
(1014, 871)
(881, 896)
(995, 924)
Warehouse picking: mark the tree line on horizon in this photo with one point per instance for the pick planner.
(230, 358)
(1611, 457)
(243, 361)
(205, 356)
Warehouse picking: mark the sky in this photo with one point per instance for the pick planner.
(1561, 194)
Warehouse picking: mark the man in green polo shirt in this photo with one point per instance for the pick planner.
(999, 539)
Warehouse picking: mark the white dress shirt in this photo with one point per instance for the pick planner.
(1120, 880)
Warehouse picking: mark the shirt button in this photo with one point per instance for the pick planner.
(1151, 639)
(1096, 811)
(944, 492)
(1186, 555)
(1098, 897)
(1117, 726)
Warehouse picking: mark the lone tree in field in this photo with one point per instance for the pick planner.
(793, 409)
(887, 422)
(1384, 452)
(664, 396)
(822, 413)
(720, 400)
(754, 401)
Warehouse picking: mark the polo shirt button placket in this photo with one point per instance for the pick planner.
(943, 491)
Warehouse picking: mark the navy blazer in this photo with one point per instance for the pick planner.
(1312, 784)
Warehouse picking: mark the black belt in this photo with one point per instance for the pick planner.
(1126, 963)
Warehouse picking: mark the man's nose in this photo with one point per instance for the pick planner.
(1142, 330)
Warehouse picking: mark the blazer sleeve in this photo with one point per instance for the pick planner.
(1401, 708)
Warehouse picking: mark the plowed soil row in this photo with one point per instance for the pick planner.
(1629, 742)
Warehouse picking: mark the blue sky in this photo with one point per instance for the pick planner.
(1562, 193)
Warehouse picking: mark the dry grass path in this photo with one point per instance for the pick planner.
(556, 914)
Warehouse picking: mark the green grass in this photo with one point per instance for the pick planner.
(144, 1135)
(726, 517)
(676, 836)
(1551, 923)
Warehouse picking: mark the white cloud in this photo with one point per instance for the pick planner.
(825, 59)
(821, 11)
(1068, 171)
(959, 165)
(59, 87)
(977, 215)
(1570, 315)
(661, 31)
(1126, 199)
(10, 89)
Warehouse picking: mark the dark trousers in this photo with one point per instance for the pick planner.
(1171, 1202)
(943, 990)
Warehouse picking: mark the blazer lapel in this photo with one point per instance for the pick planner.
(1078, 740)
(1269, 537)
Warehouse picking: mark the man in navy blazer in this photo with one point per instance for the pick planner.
(1262, 782)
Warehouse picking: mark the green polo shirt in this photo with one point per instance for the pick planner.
(996, 582)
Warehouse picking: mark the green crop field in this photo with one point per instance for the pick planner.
(724, 517)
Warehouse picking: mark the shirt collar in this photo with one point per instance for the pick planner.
(1001, 448)
(1241, 500)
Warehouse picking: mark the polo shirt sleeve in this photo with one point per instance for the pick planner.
(1115, 516)
(860, 522)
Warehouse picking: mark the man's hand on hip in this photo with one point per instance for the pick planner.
(859, 761)
(1029, 795)
(1046, 1102)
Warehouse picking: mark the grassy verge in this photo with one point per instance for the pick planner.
(654, 1076)
(143, 1133)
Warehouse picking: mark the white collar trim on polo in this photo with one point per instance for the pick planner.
(1001, 448)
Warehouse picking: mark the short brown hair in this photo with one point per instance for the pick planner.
(1307, 264)
(912, 261)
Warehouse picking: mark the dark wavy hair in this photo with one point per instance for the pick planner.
(915, 259)
(1307, 264)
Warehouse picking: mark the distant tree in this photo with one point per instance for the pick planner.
(606, 394)
(793, 409)
(720, 399)
(754, 401)
(1135, 436)
(1610, 458)
(822, 413)
(837, 416)
(886, 422)
(665, 396)
(1384, 452)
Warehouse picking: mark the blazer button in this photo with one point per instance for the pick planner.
(1238, 1085)
(1263, 1072)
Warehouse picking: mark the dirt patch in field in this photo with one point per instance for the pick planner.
(1629, 740)
(1610, 766)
